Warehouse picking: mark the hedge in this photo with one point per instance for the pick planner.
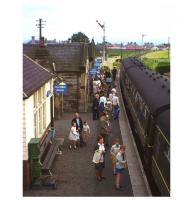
(163, 67)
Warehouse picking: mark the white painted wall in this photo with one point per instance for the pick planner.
(25, 154)
(47, 88)
(28, 124)
(28, 118)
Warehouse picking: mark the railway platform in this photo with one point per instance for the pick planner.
(74, 171)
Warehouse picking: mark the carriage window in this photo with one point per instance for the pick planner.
(167, 153)
(130, 88)
(157, 142)
(127, 84)
(145, 112)
(136, 97)
(134, 91)
(141, 104)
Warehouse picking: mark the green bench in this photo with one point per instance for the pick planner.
(49, 147)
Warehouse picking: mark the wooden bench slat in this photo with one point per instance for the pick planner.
(48, 150)
(50, 156)
(44, 145)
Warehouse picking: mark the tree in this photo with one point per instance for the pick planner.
(80, 37)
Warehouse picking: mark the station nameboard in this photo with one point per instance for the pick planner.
(60, 88)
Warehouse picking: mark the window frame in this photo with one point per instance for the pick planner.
(39, 105)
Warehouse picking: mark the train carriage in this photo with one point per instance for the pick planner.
(146, 96)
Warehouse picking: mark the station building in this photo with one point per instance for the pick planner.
(38, 107)
(70, 62)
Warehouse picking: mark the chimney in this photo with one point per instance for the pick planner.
(33, 40)
(42, 42)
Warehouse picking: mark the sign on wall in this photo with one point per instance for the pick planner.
(61, 88)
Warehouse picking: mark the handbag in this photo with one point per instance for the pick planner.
(108, 80)
(96, 157)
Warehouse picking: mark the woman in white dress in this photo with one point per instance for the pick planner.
(73, 136)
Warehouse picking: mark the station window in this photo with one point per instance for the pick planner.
(51, 86)
(35, 125)
(44, 115)
(35, 100)
(40, 127)
(39, 96)
(39, 111)
(43, 91)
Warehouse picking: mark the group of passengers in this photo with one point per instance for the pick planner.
(105, 105)
(105, 96)
(79, 132)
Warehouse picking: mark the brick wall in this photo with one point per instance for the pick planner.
(71, 98)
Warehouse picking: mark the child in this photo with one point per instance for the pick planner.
(86, 130)
(73, 136)
(114, 150)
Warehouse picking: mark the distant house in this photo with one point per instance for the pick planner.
(37, 106)
(154, 48)
(35, 41)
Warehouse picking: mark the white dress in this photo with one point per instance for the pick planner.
(74, 135)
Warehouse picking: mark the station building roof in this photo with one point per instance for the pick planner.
(34, 76)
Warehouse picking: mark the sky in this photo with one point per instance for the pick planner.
(125, 20)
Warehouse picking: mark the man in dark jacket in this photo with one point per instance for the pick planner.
(108, 76)
(114, 73)
(95, 107)
(79, 126)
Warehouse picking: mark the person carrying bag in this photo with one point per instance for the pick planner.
(98, 158)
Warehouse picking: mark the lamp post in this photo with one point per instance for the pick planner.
(103, 27)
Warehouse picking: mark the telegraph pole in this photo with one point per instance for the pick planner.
(142, 42)
(168, 47)
(142, 45)
(103, 27)
(40, 26)
(121, 49)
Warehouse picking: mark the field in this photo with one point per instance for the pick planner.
(125, 53)
(154, 60)
(163, 54)
(157, 61)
